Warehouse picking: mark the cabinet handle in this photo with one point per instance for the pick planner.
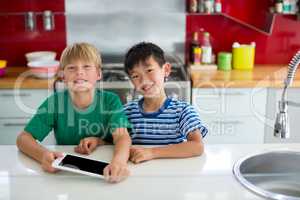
(233, 93)
(14, 124)
(13, 95)
(228, 122)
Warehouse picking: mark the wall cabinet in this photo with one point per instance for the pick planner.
(17, 107)
(232, 115)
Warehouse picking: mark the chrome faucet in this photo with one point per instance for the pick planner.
(281, 128)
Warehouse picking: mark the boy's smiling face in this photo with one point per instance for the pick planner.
(81, 75)
(148, 77)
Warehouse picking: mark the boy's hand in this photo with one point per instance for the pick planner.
(88, 145)
(116, 172)
(48, 158)
(140, 154)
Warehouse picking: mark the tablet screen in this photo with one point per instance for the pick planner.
(84, 164)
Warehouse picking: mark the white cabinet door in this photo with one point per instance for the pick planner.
(21, 103)
(10, 129)
(16, 108)
(232, 115)
(274, 95)
(234, 130)
(230, 101)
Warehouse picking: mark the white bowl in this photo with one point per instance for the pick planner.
(44, 75)
(43, 69)
(43, 63)
(40, 55)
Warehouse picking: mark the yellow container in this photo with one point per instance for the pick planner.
(2, 64)
(243, 56)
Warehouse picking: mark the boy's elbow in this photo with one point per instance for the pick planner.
(19, 139)
(199, 149)
(196, 143)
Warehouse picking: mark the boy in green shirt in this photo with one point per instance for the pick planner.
(81, 115)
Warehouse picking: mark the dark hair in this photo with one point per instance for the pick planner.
(141, 52)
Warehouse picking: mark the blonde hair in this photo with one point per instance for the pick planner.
(77, 51)
(80, 51)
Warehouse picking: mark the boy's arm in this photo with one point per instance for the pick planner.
(117, 170)
(193, 147)
(122, 144)
(28, 145)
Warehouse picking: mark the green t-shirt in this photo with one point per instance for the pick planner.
(71, 124)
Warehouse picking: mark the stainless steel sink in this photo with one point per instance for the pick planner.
(273, 175)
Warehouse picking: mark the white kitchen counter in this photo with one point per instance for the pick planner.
(208, 177)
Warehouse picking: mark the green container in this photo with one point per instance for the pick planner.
(224, 61)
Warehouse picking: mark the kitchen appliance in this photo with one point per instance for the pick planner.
(115, 79)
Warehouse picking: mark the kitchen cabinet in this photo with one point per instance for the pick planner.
(274, 95)
(17, 107)
(232, 115)
(21, 103)
(10, 128)
(234, 130)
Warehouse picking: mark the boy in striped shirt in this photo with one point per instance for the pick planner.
(156, 118)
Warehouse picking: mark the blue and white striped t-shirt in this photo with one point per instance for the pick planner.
(169, 125)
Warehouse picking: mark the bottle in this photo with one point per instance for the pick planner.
(286, 6)
(293, 6)
(278, 6)
(197, 56)
(218, 6)
(208, 6)
(298, 10)
(193, 6)
(206, 49)
(201, 6)
(194, 44)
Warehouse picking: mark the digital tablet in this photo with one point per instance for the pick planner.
(80, 165)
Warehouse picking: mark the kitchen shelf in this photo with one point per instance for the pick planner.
(291, 15)
(267, 31)
(203, 14)
(288, 14)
